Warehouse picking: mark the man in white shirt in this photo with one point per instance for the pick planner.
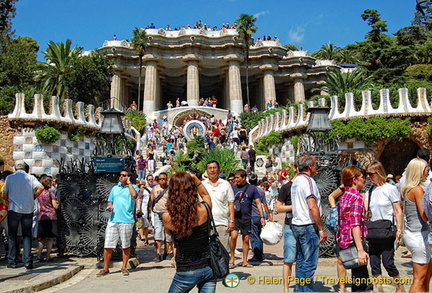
(222, 197)
(21, 189)
(307, 226)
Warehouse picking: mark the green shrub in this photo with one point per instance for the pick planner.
(371, 129)
(75, 133)
(429, 127)
(47, 134)
(263, 144)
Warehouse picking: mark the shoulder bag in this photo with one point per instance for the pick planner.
(219, 257)
(379, 230)
(239, 199)
(349, 257)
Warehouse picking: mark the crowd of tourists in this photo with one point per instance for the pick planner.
(198, 25)
(241, 204)
(28, 213)
(371, 222)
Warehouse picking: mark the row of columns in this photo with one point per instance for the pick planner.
(152, 91)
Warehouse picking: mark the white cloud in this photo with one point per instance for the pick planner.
(261, 13)
(296, 35)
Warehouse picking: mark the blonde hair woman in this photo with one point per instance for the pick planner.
(416, 224)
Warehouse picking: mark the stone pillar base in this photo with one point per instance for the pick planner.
(149, 107)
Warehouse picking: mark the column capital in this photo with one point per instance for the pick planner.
(191, 57)
(150, 57)
(268, 66)
(298, 75)
(233, 57)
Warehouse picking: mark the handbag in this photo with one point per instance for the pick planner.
(349, 257)
(332, 218)
(219, 257)
(380, 230)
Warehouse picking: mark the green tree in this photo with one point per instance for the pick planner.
(137, 119)
(246, 27)
(327, 52)
(17, 66)
(91, 78)
(53, 74)
(140, 43)
(290, 47)
(7, 12)
(339, 83)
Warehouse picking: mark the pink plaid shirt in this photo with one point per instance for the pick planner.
(351, 214)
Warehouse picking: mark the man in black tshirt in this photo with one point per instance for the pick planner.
(244, 195)
(284, 205)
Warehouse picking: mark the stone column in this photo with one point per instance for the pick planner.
(192, 92)
(269, 85)
(235, 91)
(150, 87)
(115, 91)
(299, 92)
(124, 97)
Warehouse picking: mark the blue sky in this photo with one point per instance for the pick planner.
(306, 24)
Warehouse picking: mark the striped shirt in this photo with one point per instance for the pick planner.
(351, 214)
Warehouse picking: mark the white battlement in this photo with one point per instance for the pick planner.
(293, 119)
(85, 116)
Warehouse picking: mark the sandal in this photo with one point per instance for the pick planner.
(232, 265)
(146, 243)
(247, 265)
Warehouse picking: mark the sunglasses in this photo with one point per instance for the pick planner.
(162, 179)
(123, 175)
(370, 173)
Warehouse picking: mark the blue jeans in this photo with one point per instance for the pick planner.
(141, 174)
(307, 256)
(26, 220)
(185, 281)
(255, 239)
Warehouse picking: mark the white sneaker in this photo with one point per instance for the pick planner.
(237, 252)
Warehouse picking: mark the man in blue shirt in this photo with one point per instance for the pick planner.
(244, 195)
(121, 202)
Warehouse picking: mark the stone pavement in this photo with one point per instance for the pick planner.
(48, 274)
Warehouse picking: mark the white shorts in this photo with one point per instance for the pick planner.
(417, 243)
(116, 231)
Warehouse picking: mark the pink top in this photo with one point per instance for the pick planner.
(46, 211)
(351, 214)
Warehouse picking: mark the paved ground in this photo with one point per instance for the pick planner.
(79, 274)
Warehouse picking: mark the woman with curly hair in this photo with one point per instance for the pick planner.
(186, 220)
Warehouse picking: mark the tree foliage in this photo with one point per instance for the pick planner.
(246, 27)
(7, 12)
(137, 119)
(91, 78)
(53, 74)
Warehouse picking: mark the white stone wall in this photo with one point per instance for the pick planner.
(44, 158)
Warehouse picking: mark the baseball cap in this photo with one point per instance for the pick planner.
(20, 165)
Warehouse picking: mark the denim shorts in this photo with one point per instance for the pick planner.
(202, 278)
(290, 245)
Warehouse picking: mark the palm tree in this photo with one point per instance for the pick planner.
(246, 27)
(327, 52)
(339, 83)
(139, 43)
(54, 73)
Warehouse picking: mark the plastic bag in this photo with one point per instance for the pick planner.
(271, 233)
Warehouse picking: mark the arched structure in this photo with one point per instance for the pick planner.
(193, 63)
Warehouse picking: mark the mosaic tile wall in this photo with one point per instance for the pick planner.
(43, 158)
